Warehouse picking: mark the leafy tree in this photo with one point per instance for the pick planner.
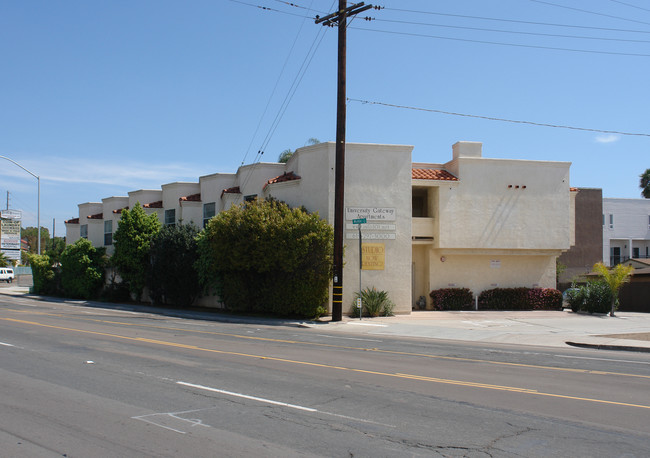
(31, 235)
(173, 277)
(43, 274)
(266, 257)
(644, 184)
(615, 278)
(132, 241)
(54, 249)
(4, 262)
(82, 269)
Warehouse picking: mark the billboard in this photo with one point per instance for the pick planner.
(10, 234)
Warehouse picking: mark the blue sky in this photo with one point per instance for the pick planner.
(100, 98)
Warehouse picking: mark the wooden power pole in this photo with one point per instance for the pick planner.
(340, 19)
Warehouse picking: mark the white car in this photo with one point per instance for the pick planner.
(6, 274)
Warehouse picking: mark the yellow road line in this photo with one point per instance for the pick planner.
(328, 366)
(344, 347)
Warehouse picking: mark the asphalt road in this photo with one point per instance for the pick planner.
(79, 381)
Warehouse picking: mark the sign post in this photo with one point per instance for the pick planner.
(359, 222)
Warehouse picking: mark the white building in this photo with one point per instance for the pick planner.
(471, 222)
(626, 230)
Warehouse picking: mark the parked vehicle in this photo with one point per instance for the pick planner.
(6, 274)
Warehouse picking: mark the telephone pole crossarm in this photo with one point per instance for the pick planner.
(330, 19)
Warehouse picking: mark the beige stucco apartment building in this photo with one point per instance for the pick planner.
(472, 222)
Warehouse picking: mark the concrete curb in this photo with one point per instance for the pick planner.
(609, 347)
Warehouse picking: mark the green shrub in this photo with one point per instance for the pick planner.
(173, 278)
(43, 274)
(373, 302)
(82, 269)
(132, 241)
(593, 297)
(452, 299)
(267, 258)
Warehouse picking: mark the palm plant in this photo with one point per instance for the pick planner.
(615, 278)
(644, 184)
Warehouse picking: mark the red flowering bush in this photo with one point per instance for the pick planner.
(452, 299)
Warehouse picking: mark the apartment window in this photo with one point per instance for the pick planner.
(250, 198)
(648, 221)
(170, 217)
(611, 221)
(635, 253)
(108, 233)
(83, 231)
(209, 210)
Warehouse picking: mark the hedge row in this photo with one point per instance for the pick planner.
(498, 299)
(452, 299)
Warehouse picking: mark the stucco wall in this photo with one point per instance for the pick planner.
(110, 205)
(490, 208)
(95, 226)
(479, 272)
(172, 192)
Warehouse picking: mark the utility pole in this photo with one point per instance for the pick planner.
(340, 18)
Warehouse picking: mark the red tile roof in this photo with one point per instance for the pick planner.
(96, 216)
(156, 204)
(192, 198)
(286, 176)
(233, 190)
(432, 174)
(119, 210)
(72, 221)
(574, 189)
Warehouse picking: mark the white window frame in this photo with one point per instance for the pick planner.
(208, 213)
(170, 217)
(108, 232)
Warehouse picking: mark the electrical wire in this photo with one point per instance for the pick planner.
(482, 29)
(287, 100)
(589, 12)
(630, 5)
(277, 82)
(515, 21)
(490, 118)
(517, 45)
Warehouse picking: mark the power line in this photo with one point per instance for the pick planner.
(630, 5)
(589, 12)
(482, 29)
(515, 21)
(490, 118)
(277, 82)
(517, 45)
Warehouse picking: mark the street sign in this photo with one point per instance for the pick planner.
(359, 221)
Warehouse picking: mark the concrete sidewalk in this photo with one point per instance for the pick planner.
(626, 331)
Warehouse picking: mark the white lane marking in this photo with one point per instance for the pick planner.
(356, 323)
(604, 359)
(278, 403)
(174, 416)
(6, 344)
(349, 338)
(245, 396)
